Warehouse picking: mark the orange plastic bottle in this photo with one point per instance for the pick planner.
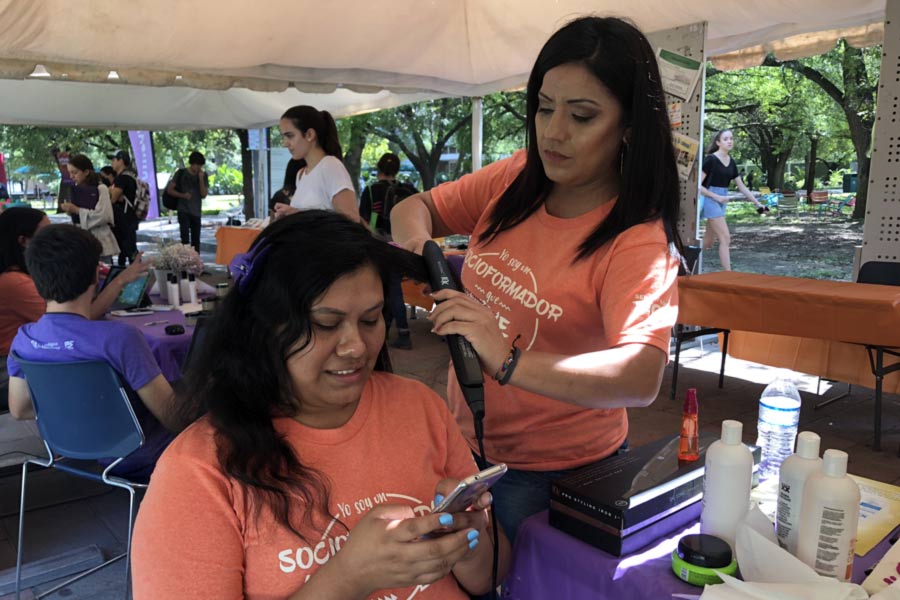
(689, 448)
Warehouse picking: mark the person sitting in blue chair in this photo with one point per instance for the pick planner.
(62, 260)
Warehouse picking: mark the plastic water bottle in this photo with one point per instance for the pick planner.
(779, 414)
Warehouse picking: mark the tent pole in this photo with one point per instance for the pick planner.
(477, 131)
(262, 176)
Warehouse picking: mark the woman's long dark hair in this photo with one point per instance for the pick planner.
(306, 117)
(83, 163)
(290, 173)
(621, 58)
(16, 222)
(714, 144)
(240, 376)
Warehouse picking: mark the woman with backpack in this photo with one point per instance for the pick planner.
(375, 204)
(324, 183)
(124, 194)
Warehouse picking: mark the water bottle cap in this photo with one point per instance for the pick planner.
(835, 463)
(731, 432)
(808, 444)
(690, 402)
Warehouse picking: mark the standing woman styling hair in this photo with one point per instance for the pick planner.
(99, 219)
(719, 171)
(324, 183)
(573, 263)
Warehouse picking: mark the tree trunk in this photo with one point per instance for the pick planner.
(811, 166)
(862, 186)
(359, 132)
(247, 172)
(776, 177)
(857, 100)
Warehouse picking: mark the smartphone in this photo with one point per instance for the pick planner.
(469, 489)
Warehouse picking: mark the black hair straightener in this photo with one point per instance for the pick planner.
(465, 361)
(468, 372)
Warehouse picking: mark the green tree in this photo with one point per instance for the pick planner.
(504, 124)
(762, 111)
(423, 131)
(849, 76)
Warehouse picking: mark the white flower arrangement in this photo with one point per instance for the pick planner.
(178, 257)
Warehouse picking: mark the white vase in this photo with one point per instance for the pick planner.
(161, 277)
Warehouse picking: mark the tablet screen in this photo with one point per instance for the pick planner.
(132, 292)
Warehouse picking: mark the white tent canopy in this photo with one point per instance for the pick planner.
(253, 60)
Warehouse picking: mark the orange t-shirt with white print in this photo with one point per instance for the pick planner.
(197, 537)
(624, 293)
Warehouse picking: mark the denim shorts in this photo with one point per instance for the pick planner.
(711, 208)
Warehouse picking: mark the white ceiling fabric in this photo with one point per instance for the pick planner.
(256, 56)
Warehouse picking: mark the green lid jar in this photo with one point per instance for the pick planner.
(700, 557)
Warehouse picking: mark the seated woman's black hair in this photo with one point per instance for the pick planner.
(240, 377)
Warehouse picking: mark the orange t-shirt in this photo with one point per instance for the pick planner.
(625, 293)
(20, 304)
(196, 536)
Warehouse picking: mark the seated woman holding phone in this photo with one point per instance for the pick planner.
(314, 472)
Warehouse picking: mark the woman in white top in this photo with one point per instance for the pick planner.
(96, 217)
(324, 183)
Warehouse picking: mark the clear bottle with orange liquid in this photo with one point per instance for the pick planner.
(689, 447)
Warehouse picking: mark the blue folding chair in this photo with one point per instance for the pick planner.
(83, 414)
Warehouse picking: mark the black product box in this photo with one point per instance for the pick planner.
(626, 501)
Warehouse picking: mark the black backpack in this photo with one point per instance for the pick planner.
(171, 202)
(395, 192)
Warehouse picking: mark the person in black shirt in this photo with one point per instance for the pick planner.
(122, 193)
(719, 171)
(371, 204)
(190, 186)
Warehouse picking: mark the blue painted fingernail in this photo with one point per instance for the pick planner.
(446, 520)
(472, 535)
(438, 499)
(472, 544)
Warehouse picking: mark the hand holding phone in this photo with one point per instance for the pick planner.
(470, 489)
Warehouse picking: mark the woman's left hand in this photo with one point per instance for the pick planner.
(463, 315)
(69, 208)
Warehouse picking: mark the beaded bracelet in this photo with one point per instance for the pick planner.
(506, 369)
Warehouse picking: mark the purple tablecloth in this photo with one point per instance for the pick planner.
(169, 350)
(547, 563)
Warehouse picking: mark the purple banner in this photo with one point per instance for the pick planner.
(142, 150)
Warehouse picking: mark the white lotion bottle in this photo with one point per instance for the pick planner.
(172, 290)
(184, 290)
(726, 483)
(795, 470)
(192, 288)
(828, 519)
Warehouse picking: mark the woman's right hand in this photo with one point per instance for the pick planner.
(721, 199)
(387, 549)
